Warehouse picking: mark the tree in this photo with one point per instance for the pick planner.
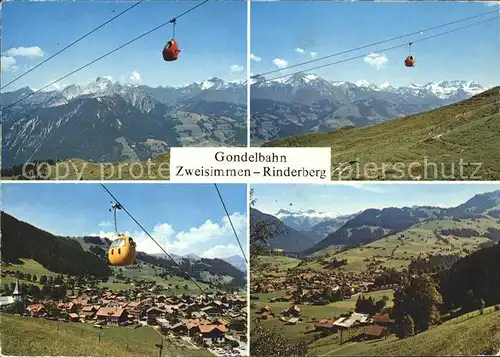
(419, 300)
(380, 305)
(407, 327)
(260, 232)
(265, 342)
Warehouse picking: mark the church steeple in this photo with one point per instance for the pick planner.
(16, 294)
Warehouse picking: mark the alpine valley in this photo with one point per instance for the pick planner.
(306, 103)
(351, 289)
(105, 121)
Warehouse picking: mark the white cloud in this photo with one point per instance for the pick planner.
(280, 63)
(314, 54)
(109, 78)
(105, 224)
(222, 251)
(8, 64)
(300, 50)
(236, 68)
(34, 51)
(377, 61)
(194, 240)
(255, 58)
(492, 3)
(135, 76)
(365, 186)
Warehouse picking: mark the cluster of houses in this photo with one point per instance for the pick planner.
(313, 285)
(206, 319)
(376, 326)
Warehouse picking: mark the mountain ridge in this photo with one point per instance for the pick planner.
(458, 139)
(373, 224)
(307, 103)
(105, 121)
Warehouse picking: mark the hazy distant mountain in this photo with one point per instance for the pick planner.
(289, 240)
(319, 231)
(107, 121)
(305, 103)
(237, 261)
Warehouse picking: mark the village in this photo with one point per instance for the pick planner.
(215, 321)
(283, 297)
(308, 285)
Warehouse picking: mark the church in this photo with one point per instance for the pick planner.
(6, 301)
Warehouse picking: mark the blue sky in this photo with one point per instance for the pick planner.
(184, 218)
(327, 27)
(212, 38)
(354, 197)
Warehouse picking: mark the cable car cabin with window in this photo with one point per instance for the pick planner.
(410, 61)
(122, 251)
(171, 51)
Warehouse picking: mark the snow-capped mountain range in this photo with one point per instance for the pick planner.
(135, 94)
(305, 103)
(442, 89)
(121, 122)
(304, 220)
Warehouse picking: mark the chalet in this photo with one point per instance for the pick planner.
(265, 309)
(135, 308)
(238, 324)
(68, 307)
(153, 313)
(35, 310)
(211, 334)
(88, 311)
(266, 314)
(382, 319)
(325, 325)
(72, 317)
(178, 329)
(292, 311)
(374, 332)
(111, 315)
(212, 310)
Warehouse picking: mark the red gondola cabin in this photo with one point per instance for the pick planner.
(410, 61)
(171, 51)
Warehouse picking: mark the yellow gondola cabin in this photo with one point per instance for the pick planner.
(122, 251)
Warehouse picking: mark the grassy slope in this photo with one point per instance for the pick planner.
(24, 336)
(415, 241)
(145, 272)
(466, 335)
(467, 130)
(278, 265)
(79, 169)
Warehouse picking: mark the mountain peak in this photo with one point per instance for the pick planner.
(362, 83)
(301, 78)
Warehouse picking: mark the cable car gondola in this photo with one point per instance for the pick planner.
(122, 251)
(410, 60)
(171, 50)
